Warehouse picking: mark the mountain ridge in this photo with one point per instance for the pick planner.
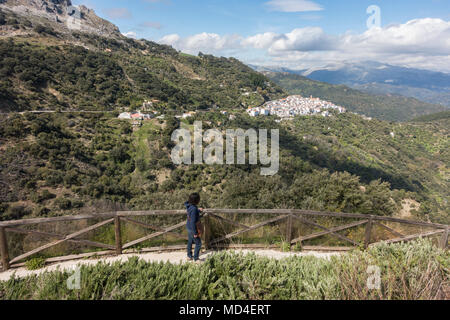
(381, 79)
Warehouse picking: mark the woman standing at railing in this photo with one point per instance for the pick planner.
(194, 226)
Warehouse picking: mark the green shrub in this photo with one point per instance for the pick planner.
(35, 263)
(63, 203)
(297, 247)
(42, 196)
(16, 212)
(285, 246)
(40, 211)
(415, 270)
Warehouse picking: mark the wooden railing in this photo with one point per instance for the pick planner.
(287, 215)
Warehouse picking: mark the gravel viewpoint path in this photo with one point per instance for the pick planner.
(172, 257)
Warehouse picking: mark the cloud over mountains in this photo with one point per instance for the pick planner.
(420, 43)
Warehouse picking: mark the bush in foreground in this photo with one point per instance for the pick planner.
(415, 270)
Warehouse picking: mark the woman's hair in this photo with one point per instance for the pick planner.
(194, 198)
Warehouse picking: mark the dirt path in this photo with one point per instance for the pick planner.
(172, 257)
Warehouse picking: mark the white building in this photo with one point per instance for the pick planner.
(125, 115)
(253, 112)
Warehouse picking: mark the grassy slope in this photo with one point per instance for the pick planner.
(391, 108)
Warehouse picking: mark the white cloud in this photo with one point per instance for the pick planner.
(420, 43)
(293, 5)
(304, 39)
(207, 42)
(262, 41)
(130, 34)
(419, 36)
(170, 39)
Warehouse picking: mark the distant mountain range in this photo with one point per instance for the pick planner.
(379, 78)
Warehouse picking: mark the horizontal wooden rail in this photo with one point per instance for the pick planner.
(92, 216)
(127, 216)
(216, 211)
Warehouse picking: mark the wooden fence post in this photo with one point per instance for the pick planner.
(368, 232)
(444, 239)
(207, 232)
(118, 235)
(289, 230)
(4, 249)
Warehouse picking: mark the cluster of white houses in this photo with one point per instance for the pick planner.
(295, 106)
(286, 108)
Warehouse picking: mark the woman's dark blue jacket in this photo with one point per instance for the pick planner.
(193, 216)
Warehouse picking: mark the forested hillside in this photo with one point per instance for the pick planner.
(54, 164)
(384, 107)
(43, 68)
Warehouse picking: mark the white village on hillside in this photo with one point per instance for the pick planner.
(286, 108)
(295, 106)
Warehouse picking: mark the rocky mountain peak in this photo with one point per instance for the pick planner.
(58, 7)
(61, 15)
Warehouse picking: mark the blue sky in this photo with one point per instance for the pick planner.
(221, 27)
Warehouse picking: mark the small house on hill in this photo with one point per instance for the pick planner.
(125, 115)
